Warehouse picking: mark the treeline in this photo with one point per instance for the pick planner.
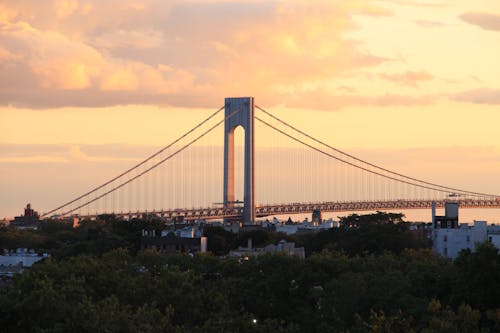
(413, 291)
(92, 237)
(370, 275)
(357, 235)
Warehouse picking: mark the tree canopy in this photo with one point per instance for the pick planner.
(367, 276)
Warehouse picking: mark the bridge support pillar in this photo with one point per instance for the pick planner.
(244, 117)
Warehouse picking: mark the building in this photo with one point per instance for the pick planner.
(16, 261)
(290, 228)
(317, 217)
(185, 240)
(30, 219)
(450, 237)
(494, 235)
(287, 248)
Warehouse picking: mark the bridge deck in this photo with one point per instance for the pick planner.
(215, 213)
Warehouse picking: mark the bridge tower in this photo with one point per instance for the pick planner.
(244, 117)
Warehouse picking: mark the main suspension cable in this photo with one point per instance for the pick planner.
(153, 166)
(454, 190)
(349, 163)
(137, 165)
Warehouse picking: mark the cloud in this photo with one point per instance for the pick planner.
(479, 96)
(33, 159)
(105, 154)
(346, 89)
(429, 24)
(485, 21)
(436, 4)
(48, 69)
(6, 55)
(410, 78)
(330, 102)
(40, 154)
(101, 53)
(137, 39)
(374, 11)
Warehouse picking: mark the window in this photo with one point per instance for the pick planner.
(446, 251)
(445, 238)
(490, 239)
(468, 238)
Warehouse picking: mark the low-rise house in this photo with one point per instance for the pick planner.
(287, 248)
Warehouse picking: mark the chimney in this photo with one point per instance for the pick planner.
(203, 244)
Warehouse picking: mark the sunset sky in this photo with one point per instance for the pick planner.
(413, 85)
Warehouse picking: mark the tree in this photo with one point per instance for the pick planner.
(479, 276)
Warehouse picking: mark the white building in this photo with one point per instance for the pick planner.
(494, 235)
(287, 248)
(15, 262)
(448, 242)
(305, 226)
(449, 237)
(287, 229)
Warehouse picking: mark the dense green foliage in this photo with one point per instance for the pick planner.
(61, 240)
(414, 291)
(220, 241)
(369, 275)
(358, 234)
(364, 234)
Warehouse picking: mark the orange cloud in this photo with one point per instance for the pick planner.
(56, 61)
(135, 39)
(79, 54)
(37, 154)
(479, 96)
(322, 100)
(6, 55)
(409, 78)
(66, 8)
(417, 3)
(120, 80)
(35, 159)
(429, 24)
(485, 21)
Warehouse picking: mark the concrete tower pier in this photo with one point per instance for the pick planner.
(244, 117)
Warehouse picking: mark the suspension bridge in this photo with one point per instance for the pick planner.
(295, 173)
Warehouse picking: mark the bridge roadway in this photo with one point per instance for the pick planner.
(217, 213)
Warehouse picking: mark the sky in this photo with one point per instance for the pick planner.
(90, 87)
